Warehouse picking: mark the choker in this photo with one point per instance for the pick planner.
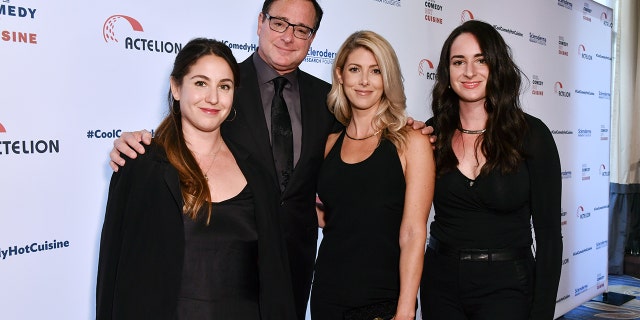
(472, 131)
(358, 139)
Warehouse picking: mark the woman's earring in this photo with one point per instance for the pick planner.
(175, 106)
(235, 114)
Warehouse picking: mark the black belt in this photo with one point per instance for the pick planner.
(479, 254)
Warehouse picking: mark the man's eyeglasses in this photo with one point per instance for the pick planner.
(280, 25)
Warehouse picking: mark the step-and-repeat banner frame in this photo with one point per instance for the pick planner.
(76, 74)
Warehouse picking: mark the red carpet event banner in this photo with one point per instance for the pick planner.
(76, 74)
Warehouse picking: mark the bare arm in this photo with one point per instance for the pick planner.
(129, 144)
(420, 181)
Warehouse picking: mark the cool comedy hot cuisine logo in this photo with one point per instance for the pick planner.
(11, 13)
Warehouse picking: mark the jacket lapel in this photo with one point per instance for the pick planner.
(173, 183)
(251, 118)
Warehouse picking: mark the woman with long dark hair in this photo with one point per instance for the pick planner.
(498, 174)
(191, 229)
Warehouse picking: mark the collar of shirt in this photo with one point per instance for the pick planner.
(266, 73)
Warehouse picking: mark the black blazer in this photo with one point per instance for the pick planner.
(297, 202)
(142, 243)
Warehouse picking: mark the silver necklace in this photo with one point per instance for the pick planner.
(472, 131)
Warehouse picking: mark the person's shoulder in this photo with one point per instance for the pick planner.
(311, 78)
(247, 62)
(154, 153)
(238, 150)
(535, 124)
(415, 136)
(416, 141)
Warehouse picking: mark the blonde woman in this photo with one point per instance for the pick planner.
(376, 185)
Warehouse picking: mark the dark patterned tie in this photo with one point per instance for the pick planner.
(281, 134)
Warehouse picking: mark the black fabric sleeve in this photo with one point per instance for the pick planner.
(112, 238)
(543, 163)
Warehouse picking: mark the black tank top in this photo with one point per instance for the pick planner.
(358, 259)
(220, 272)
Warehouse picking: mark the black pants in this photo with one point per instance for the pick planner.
(455, 289)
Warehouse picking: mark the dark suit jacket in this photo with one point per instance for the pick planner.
(142, 243)
(297, 202)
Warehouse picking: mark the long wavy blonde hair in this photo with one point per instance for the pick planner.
(391, 118)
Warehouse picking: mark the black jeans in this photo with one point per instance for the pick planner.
(455, 289)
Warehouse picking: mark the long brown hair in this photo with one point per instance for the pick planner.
(502, 143)
(169, 135)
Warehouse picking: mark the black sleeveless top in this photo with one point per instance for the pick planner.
(358, 259)
(220, 272)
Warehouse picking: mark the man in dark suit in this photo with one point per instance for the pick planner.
(286, 29)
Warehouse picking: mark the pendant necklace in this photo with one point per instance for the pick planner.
(215, 155)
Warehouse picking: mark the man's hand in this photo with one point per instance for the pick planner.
(424, 129)
(432, 138)
(129, 144)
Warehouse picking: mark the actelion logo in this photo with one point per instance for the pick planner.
(466, 15)
(108, 29)
(582, 51)
(425, 69)
(558, 88)
(27, 146)
(603, 170)
(115, 22)
(605, 20)
(581, 214)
